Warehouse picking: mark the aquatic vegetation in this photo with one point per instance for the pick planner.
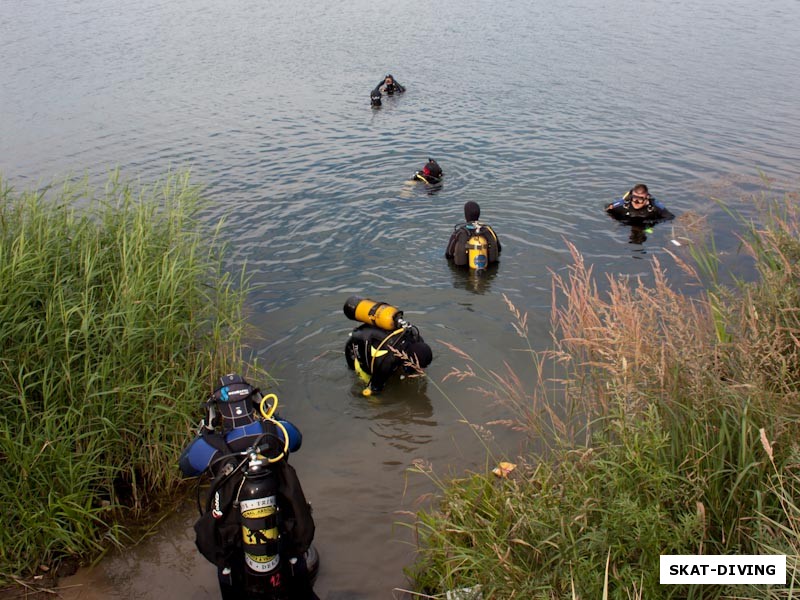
(670, 424)
(117, 314)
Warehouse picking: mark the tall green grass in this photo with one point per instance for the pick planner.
(116, 314)
(674, 432)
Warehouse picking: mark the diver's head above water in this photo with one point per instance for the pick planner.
(639, 196)
(421, 353)
(472, 211)
(431, 172)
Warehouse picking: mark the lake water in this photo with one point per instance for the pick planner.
(540, 112)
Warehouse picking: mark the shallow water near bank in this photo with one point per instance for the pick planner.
(542, 114)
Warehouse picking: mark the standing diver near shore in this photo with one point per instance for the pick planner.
(256, 526)
(384, 344)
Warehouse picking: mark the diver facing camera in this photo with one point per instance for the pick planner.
(638, 206)
(384, 344)
(389, 86)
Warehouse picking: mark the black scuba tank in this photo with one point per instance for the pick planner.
(258, 504)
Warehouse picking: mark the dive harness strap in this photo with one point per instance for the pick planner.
(216, 441)
(375, 352)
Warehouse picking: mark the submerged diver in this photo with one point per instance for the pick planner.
(431, 173)
(384, 344)
(473, 243)
(257, 527)
(638, 206)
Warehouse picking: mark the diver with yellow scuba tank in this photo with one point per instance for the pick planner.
(473, 243)
(383, 344)
(256, 525)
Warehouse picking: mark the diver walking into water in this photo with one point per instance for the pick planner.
(473, 243)
(384, 344)
(256, 525)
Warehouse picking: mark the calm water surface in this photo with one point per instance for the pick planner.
(541, 113)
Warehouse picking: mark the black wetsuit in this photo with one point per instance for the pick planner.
(457, 245)
(388, 89)
(371, 347)
(431, 173)
(652, 212)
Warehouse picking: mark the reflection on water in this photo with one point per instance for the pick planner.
(402, 417)
(477, 282)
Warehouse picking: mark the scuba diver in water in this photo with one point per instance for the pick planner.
(256, 526)
(431, 173)
(473, 243)
(389, 86)
(637, 206)
(384, 344)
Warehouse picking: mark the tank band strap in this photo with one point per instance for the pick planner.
(375, 307)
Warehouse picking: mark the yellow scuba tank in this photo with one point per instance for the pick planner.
(478, 252)
(379, 314)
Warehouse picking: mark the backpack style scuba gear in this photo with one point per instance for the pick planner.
(255, 512)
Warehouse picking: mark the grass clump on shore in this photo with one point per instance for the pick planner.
(117, 315)
(675, 432)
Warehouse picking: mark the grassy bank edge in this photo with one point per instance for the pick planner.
(673, 432)
(118, 313)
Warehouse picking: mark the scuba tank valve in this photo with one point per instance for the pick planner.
(374, 313)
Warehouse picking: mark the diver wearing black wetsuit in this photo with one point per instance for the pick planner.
(431, 173)
(457, 244)
(389, 86)
(369, 351)
(637, 206)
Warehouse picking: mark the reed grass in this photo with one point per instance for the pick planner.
(674, 432)
(117, 314)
